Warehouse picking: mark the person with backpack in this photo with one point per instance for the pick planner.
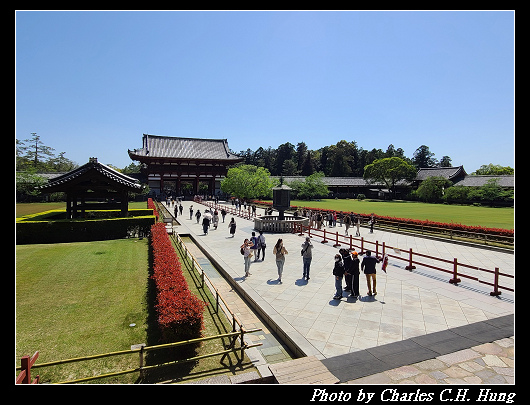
(279, 251)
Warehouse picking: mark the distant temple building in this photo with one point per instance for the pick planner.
(184, 166)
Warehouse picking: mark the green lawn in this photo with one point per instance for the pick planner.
(464, 214)
(78, 299)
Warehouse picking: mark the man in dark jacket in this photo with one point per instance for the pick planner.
(368, 266)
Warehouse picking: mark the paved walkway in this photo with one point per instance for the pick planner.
(303, 313)
(488, 363)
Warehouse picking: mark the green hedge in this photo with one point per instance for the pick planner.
(45, 227)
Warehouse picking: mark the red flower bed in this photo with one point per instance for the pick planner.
(180, 313)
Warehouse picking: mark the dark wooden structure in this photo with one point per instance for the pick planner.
(178, 166)
(93, 186)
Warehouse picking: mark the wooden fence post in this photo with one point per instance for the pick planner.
(26, 362)
(410, 266)
(455, 279)
(324, 241)
(337, 244)
(496, 291)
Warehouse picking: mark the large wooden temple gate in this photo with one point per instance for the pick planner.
(170, 163)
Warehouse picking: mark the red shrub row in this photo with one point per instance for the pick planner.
(180, 313)
(451, 225)
(151, 205)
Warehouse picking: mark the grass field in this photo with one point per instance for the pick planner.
(78, 299)
(464, 214)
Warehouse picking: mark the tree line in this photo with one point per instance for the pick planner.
(344, 159)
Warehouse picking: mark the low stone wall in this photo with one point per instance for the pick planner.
(272, 223)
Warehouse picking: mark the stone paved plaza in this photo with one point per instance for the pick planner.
(408, 304)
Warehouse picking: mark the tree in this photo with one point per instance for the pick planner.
(312, 187)
(432, 188)
(36, 151)
(493, 169)
(301, 153)
(489, 192)
(445, 161)
(285, 152)
(389, 171)
(457, 194)
(423, 157)
(248, 181)
(27, 185)
(308, 168)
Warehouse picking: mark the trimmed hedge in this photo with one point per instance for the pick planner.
(44, 227)
(180, 313)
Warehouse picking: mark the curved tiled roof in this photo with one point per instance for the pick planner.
(447, 172)
(480, 180)
(183, 148)
(122, 180)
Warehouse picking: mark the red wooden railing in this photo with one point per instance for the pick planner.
(24, 376)
(380, 249)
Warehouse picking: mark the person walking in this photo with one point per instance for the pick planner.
(368, 266)
(255, 245)
(205, 223)
(223, 214)
(215, 219)
(372, 222)
(307, 255)
(262, 245)
(279, 251)
(198, 215)
(358, 225)
(246, 252)
(338, 272)
(191, 211)
(232, 227)
(347, 223)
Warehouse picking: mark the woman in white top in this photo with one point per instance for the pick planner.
(245, 250)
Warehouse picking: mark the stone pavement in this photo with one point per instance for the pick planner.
(488, 363)
(304, 315)
(271, 350)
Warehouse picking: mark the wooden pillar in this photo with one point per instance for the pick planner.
(68, 206)
(124, 204)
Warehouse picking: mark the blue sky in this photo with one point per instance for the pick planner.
(91, 83)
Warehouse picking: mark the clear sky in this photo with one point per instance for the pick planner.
(91, 83)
